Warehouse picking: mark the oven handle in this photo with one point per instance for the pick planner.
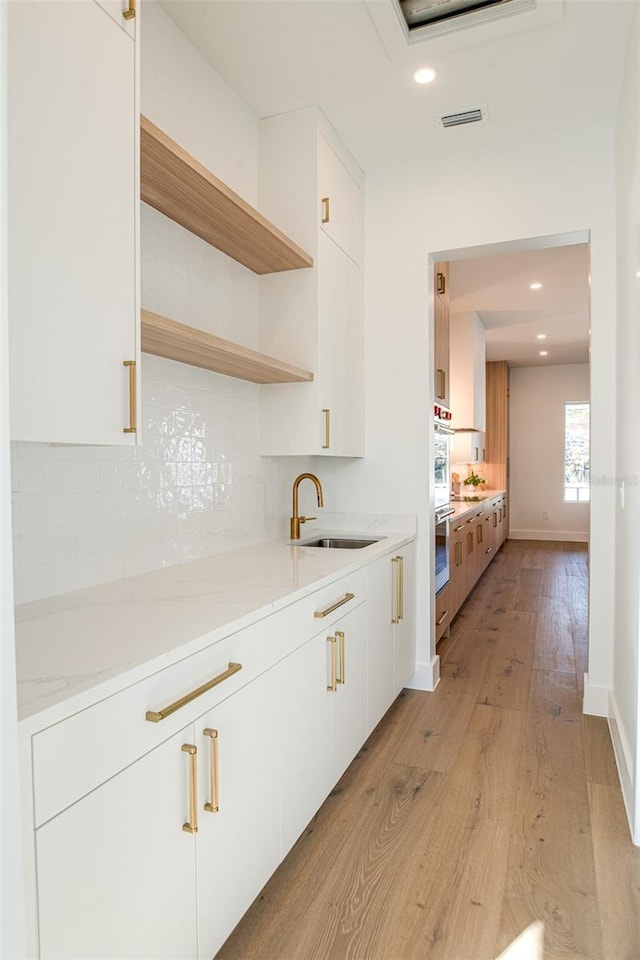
(444, 514)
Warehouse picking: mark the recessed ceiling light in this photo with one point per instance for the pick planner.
(544, 353)
(542, 336)
(637, 273)
(424, 75)
(535, 286)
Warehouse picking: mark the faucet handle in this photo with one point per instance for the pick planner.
(304, 519)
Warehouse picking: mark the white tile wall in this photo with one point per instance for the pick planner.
(195, 485)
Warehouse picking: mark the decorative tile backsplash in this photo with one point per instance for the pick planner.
(195, 485)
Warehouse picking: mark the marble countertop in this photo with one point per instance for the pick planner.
(79, 647)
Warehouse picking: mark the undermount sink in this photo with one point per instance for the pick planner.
(343, 543)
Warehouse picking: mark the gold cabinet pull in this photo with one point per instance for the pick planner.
(495, 519)
(133, 404)
(470, 542)
(319, 614)
(441, 283)
(212, 806)
(155, 716)
(332, 687)
(191, 826)
(442, 618)
(395, 612)
(401, 588)
(130, 12)
(326, 210)
(340, 637)
(327, 429)
(442, 382)
(461, 527)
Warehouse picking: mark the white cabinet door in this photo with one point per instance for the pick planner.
(404, 632)
(340, 201)
(380, 683)
(116, 10)
(305, 719)
(340, 367)
(350, 699)
(116, 871)
(238, 844)
(468, 447)
(73, 197)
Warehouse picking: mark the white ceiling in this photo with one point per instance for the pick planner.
(555, 67)
(497, 289)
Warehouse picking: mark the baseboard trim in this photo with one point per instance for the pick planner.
(624, 764)
(596, 699)
(427, 675)
(568, 536)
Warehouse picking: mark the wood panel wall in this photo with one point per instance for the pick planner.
(497, 434)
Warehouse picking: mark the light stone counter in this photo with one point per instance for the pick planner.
(462, 507)
(77, 648)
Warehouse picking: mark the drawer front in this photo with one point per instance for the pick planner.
(443, 611)
(76, 755)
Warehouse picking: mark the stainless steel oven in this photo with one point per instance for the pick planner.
(442, 546)
(442, 433)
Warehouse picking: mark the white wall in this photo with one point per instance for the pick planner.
(536, 448)
(624, 709)
(196, 485)
(12, 920)
(527, 188)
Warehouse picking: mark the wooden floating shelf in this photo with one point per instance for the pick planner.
(177, 185)
(167, 338)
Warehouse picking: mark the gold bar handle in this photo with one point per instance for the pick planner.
(155, 716)
(395, 612)
(441, 283)
(442, 618)
(212, 807)
(133, 402)
(442, 382)
(327, 429)
(130, 12)
(461, 527)
(326, 210)
(191, 826)
(401, 587)
(319, 614)
(340, 637)
(332, 687)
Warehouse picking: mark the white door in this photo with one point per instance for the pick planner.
(305, 719)
(340, 378)
(380, 684)
(404, 632)
(239, 842)
(73, 196)
(116, 871)
(350, 702)
(340, 202)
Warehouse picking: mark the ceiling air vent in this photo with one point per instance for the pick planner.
(461, 117)
(428, 18)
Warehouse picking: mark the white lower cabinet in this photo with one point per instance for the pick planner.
(160, 858)
(116, 871)
(238, 842)
(391, 657)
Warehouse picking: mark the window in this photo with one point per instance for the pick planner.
(576, 452)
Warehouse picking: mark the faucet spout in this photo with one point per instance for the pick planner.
(295, 519)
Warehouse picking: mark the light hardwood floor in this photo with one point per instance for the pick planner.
(473, 810)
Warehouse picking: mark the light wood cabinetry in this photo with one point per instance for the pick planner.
(316, 322)
(443, 615)
(497, 437)
(441, 333)
(468, 399)
(119, 788)
(72, 222)
(475, 538)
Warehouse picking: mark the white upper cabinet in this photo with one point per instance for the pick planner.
(468, 372)
(340, 201)
(313, 319)
(469, 446)
(73, 202)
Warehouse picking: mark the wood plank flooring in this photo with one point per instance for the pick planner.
(474, 810)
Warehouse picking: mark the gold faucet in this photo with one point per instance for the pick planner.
(295, 519)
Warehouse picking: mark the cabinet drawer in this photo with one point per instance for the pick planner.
(74, 756)
(443, 611)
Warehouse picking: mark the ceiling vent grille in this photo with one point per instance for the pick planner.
(462, 117)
